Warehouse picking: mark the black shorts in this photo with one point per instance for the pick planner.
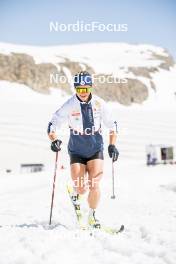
(79, 159)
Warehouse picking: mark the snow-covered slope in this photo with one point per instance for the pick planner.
(144, 205)
(145, 196)
(140, 69)
(25, 115)
(101, 56)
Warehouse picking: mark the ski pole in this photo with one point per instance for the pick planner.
(113, 191)
(52, 199)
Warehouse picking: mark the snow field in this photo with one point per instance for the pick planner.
(145, 197)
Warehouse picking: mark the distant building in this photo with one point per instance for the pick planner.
(29, 168)
(159, 154)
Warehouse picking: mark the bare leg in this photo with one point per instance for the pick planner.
(77, 173)
(95, 171)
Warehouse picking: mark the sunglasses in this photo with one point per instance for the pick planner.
(83, 90)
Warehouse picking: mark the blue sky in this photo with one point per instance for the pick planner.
(27, 22)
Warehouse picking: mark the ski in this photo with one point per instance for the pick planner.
(76, 210)
(104, 229)
(79, 217)
(112, 230)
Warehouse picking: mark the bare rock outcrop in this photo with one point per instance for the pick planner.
(133, 91)
(22, 68)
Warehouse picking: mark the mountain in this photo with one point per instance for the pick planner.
(122, 72)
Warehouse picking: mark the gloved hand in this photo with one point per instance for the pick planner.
(55, 145)
(113, 152)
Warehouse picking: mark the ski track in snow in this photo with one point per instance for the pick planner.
(145, 197)
(142, 205)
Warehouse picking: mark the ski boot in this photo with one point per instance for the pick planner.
(92, 220)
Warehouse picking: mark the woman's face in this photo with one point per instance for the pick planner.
(83, 92)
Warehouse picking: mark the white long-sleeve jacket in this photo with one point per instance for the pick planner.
(84, 120)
